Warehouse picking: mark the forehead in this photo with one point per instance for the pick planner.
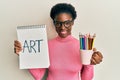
(63, 17)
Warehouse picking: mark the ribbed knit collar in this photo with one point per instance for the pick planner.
(68, 38)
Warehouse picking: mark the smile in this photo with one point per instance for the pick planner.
(63, 32)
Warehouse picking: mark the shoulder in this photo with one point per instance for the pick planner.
(75, 39)
(51, 41)
(75, 42)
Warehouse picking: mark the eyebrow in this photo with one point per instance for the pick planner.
(62, 21)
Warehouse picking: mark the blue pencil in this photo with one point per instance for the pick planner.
(83, 43)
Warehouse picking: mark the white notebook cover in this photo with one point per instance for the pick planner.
(34, 52)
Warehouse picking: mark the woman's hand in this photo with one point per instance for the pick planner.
(17, 47)
(96, 57)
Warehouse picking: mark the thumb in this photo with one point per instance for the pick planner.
(94, 49)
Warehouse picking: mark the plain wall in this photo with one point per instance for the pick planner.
(94, 16)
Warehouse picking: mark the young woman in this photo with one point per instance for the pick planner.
(65, 63)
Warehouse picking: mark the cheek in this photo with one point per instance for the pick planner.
(57, 30)
(69, 30)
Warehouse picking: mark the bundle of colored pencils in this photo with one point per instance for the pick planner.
(86, 41)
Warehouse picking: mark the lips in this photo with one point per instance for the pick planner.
(63, 32)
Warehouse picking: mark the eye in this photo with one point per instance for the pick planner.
(67, 23)
(57, 24)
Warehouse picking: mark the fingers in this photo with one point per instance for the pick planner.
(17, 43)
(17, 50)
(96, 58)
(99, 54)
(17, 47)
(93, 62)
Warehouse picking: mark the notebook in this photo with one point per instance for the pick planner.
(33, 39)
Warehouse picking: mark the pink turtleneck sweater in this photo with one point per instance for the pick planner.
(65, 63)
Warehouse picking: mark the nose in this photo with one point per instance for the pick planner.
(62, 26)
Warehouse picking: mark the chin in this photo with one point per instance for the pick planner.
(63, 36)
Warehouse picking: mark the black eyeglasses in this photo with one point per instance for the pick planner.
(67, 23)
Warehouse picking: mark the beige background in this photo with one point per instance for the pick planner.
(95, 16)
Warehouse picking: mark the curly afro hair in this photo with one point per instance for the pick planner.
(63, 8)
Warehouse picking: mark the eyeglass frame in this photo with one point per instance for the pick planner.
(63, 23)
